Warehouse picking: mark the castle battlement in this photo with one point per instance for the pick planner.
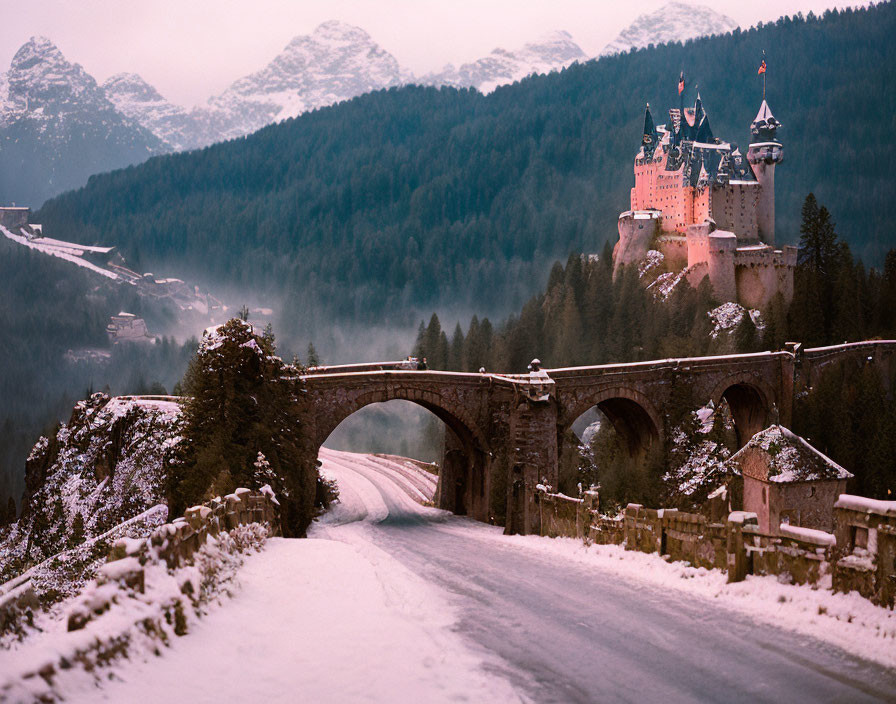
(701, 201)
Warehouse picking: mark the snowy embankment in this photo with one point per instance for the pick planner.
(330, 619)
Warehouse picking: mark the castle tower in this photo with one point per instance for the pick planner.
(764, 154)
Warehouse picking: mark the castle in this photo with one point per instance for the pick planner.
(709, 209)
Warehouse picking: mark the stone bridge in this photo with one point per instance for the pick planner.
(507, 431)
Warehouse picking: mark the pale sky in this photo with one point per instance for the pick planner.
(193, 49)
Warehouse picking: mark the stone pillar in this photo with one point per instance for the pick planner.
(453, 491)
(532, 453)
(737, 552)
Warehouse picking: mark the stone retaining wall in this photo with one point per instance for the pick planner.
(860, 555)
(175, 543)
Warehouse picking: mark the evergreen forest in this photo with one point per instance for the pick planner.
(417, 198)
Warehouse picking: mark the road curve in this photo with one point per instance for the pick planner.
(567, 632)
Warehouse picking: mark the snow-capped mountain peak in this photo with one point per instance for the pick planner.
(552, 52)
(138, 100)
(132, 87)
(58, 127)
(337, 61)
(674, 21)
(39, 75)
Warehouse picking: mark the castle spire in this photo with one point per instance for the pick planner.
(765, 127)
(651, 136)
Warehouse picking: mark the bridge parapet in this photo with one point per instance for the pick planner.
(509, 430)
(813, 361)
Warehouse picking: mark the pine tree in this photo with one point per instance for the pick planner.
(238, 406)
(456, 353)
(312, 356)
(268, 336)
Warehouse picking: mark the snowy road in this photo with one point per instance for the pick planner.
(391, 601)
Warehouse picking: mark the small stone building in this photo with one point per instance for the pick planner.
(127, 327)
(786, 480)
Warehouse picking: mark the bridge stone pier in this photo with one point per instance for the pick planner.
(505, 432)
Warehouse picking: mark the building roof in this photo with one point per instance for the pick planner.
(765, 126)
(765, 112)
(691, 144)
(650, 139)
(791, 458)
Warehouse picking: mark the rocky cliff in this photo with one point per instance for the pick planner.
(101, 469)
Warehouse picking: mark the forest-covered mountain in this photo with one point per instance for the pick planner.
(424, 197)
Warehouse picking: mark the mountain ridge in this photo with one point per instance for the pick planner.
(674, 21)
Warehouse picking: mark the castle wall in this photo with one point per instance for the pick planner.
(720, 261)
(675, 251)
(762, 272)
(697, 239)
(763, 157)
(656, 188)
(734, 208)
(637, 231)
(702, 200)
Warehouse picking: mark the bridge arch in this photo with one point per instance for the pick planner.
(630, 412)
(750, 400)
(464, 476)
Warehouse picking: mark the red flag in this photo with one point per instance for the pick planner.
(761, 68)
(681, 83)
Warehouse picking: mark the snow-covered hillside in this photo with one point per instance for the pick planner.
(551, 53)
(100, 469)
(673, 22)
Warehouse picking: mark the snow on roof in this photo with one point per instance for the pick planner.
(866, 505)
(791, 458)
(765, 112)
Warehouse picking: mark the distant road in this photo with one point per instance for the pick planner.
(391, 601)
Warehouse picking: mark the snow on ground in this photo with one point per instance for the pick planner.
(653, 260)
(845, 620)
(338, 618)
(54, 248)
(168, 407)
(351, 623)
(727, 317)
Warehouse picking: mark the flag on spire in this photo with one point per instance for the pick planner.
(762, 68)
(681, 83)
